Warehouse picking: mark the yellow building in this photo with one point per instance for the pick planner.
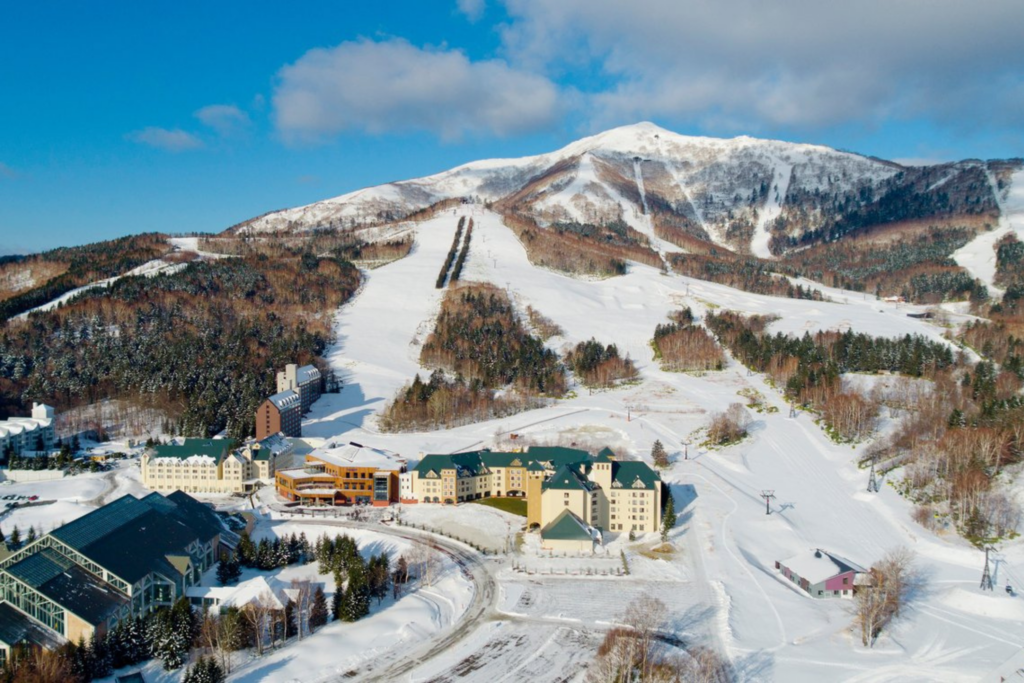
(213, 465)
(601, 492)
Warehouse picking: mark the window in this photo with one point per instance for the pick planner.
(566, 503)
(846, 580)
(567, 495)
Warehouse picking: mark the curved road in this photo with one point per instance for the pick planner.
(400, 662)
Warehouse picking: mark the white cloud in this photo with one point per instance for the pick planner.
(172, 140)
(782, 64)
(227, 119)
(394, 86)
(473, 9)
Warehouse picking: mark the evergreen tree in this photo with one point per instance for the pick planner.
(31, 535)
(659, 455)
(318, 612)
(205, 670)
(668, 518)
(246, 551)
(379, 577)
(15, 541)
(80, 668)
(228, 571)
(264, 555)
(357, 596)
(100, 663)
(116, 643)
(337, 602)
(173, 634)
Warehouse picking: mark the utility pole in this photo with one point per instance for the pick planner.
(986, 575)
(686, 450)
(873, 480)
(768, 496)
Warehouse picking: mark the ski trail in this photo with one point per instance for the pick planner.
(978, 257)
(682, 188)
(646, 219)
(781, 175)
(640, 185)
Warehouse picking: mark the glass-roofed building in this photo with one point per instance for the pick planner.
(126, 558)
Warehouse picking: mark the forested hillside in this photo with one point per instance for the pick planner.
(479, 345)
(30, 281)
(201, 344)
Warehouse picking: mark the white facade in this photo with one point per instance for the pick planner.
(405, 491)
(21, 434)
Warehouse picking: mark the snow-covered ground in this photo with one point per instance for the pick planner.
(149, 269)
(719, 585)
(726, 543)
(979, 255)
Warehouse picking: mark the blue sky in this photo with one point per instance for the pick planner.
(118, 118)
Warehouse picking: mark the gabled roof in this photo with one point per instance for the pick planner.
(556, 456)
(501, 459)
(68, 585)
(567, 527)
(633, 474)
(16, 628)
(217, 449)
(465, 464)
(605, 455)
(567, 479)
(131, 537)
(819, 565)
(275, 444)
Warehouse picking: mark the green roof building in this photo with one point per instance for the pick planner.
(126, 558)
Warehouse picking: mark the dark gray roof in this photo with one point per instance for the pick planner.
(16, 627)
(68, 585)
(132, 537)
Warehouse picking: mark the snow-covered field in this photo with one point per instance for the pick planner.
(979, 256)
(720, 584)
(727, 545)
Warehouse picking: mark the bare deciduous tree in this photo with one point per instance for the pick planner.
(893, 579)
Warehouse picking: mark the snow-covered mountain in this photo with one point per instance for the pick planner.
(738, 193)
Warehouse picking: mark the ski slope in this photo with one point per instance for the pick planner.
(148, 269)
(771, 210)
(979, 255)
(738, 602)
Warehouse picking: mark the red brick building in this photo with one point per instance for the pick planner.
(280, 413)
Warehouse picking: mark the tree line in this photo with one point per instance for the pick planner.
(77, 266)
(683, 346)
(202, 344)
(598, 365)
(450, 258)
(482, 344)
